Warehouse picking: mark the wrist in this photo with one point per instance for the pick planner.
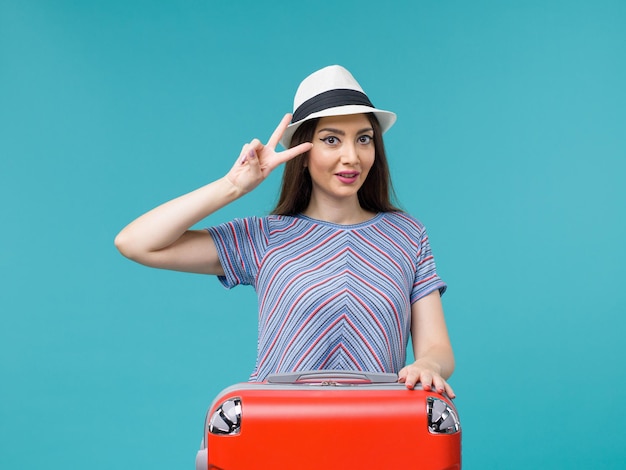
(231, 190)
(427, 363)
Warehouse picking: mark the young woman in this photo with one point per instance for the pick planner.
(342, 276)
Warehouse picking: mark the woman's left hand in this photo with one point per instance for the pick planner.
(425, 372)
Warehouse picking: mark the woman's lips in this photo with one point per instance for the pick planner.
(347, 177)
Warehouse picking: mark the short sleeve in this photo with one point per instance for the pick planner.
(240, 246)
(426, 278)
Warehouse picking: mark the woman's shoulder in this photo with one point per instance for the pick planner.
(404, 221)
(271, 220)
(277, 225)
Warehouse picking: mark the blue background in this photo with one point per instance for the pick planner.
(510, 146)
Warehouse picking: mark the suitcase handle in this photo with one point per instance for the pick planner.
(332, 377)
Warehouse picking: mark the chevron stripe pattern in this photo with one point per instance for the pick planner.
(330, 296)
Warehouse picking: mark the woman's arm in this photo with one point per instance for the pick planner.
(434, 359)
(161, 238)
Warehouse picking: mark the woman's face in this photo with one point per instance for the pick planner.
(342, 155)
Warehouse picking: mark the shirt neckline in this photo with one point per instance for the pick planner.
(365, 223)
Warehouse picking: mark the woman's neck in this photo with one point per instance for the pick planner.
(341, 213)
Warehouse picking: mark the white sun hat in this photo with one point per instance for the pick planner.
(331, 91)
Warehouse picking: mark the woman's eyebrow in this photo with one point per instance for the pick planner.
(330, 129)
(340, 132)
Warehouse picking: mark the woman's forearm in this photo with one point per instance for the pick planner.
(161, 238)
(165, 224)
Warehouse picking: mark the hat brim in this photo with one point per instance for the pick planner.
(385, 118)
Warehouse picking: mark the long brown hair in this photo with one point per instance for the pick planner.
(295, 194)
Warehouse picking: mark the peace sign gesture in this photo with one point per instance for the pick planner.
(257, 160)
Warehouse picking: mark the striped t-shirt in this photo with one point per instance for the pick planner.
(330, 296)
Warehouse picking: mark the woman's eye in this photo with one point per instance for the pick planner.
(330, 140)
(365, 139)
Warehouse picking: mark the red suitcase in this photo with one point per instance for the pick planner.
(330, 420)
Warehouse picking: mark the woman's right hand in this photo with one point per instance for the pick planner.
(258, 160)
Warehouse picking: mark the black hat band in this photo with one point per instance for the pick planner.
(330, 99)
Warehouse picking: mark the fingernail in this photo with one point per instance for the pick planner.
(247, 156)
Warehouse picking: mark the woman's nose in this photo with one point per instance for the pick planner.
(350, 153)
